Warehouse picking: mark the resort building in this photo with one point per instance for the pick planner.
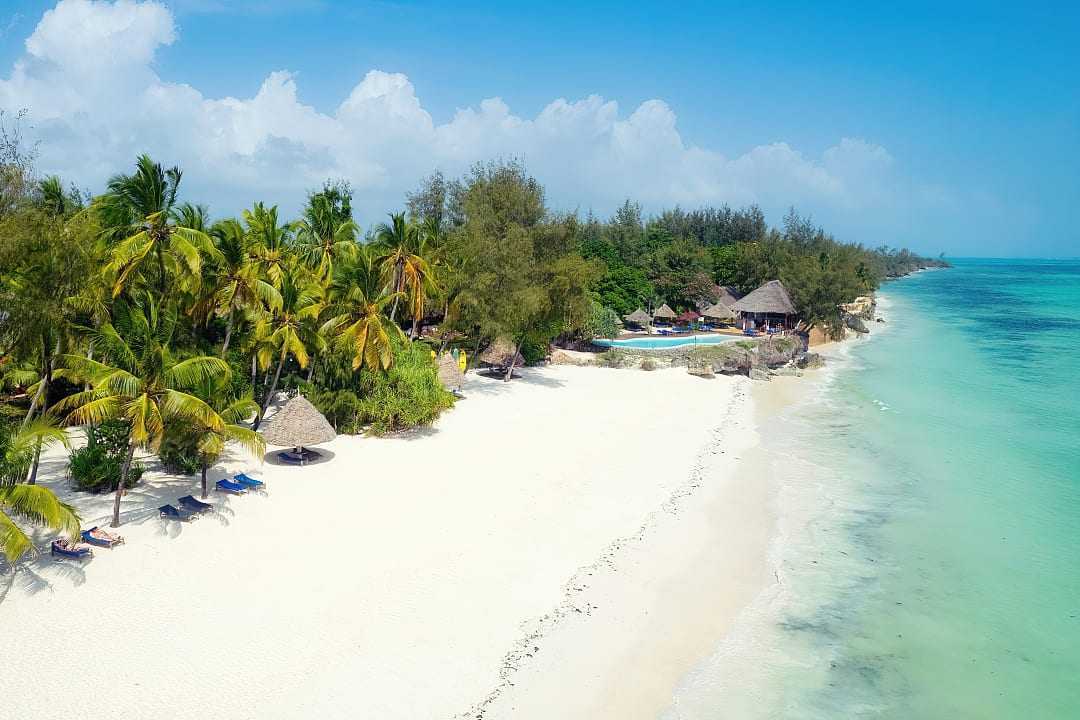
(664, 314)
(769, 309)
(638, 318)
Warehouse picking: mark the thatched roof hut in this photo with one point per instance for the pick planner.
(664, 313)
(718, 311)
(771, 298)
(728, 295)
(297, 424)
(450, 374)
(638, 317)
(500, 353)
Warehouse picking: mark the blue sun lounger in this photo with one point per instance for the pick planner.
(95, 536)
(197, 506)
(63, 549)
(249, 482)
(230, 487)
(171, 512)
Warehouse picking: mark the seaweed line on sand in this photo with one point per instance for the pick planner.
(571, 605)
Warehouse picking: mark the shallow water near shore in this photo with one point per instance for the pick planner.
(929, 508)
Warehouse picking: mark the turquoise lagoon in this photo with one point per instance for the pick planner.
(929, 549)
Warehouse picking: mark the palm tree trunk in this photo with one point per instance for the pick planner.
(41, 396)
(415, 328)
(32, 480)
(397, 288)
(311, 370)
(228, 333)
(254, 369)
(204, 479)
(120, 485)
(273, 388)
(161, 268)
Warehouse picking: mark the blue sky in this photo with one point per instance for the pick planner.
(953, 129)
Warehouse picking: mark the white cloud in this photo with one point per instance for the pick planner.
(96, 102)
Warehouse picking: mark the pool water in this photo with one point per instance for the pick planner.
(660, 343)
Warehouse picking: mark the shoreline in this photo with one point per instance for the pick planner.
(617, 595)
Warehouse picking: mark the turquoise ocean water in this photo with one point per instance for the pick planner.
(929, 550)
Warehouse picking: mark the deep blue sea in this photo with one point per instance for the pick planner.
(929, 557)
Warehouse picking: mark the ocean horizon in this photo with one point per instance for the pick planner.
(928, 503)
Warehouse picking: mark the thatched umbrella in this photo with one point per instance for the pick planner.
(450, 374)
(501, 353)
(638, 317)
(664, 313)
(718, 311)
(298, 424)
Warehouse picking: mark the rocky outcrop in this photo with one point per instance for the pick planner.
(809, 361)
(560, 356)
(862, 307)
(856, 323)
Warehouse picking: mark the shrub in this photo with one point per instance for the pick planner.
(534, 349)
(179, 453)
(407, 395)
(93, 469)
(613, 358)
(649, 364)
(340, 407)
(601, 322)
(96, 467)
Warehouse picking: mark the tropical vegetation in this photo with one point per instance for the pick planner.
(154, 328)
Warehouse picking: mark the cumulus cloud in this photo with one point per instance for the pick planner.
(96, 102)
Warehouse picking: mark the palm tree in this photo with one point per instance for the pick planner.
(326, 232)
(139, 214)
(31, 503)
(288, 329)
(42, 432)
(237, 287)
(269, 242)
(142, 382)
(211, 441)
(407, 270)
(356, 308)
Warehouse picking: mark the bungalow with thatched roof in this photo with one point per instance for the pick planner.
(728, 295)
(639, 318)
(767, 308)
(664, 313)
(719, 312)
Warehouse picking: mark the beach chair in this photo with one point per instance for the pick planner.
(248, 482)
(63, 548)
(748, 332)
(101, 538)
(197, 506)
(230, 487)
(171, 512)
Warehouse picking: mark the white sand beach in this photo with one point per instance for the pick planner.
(566, 545)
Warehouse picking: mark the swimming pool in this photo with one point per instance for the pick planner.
(662, 343)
